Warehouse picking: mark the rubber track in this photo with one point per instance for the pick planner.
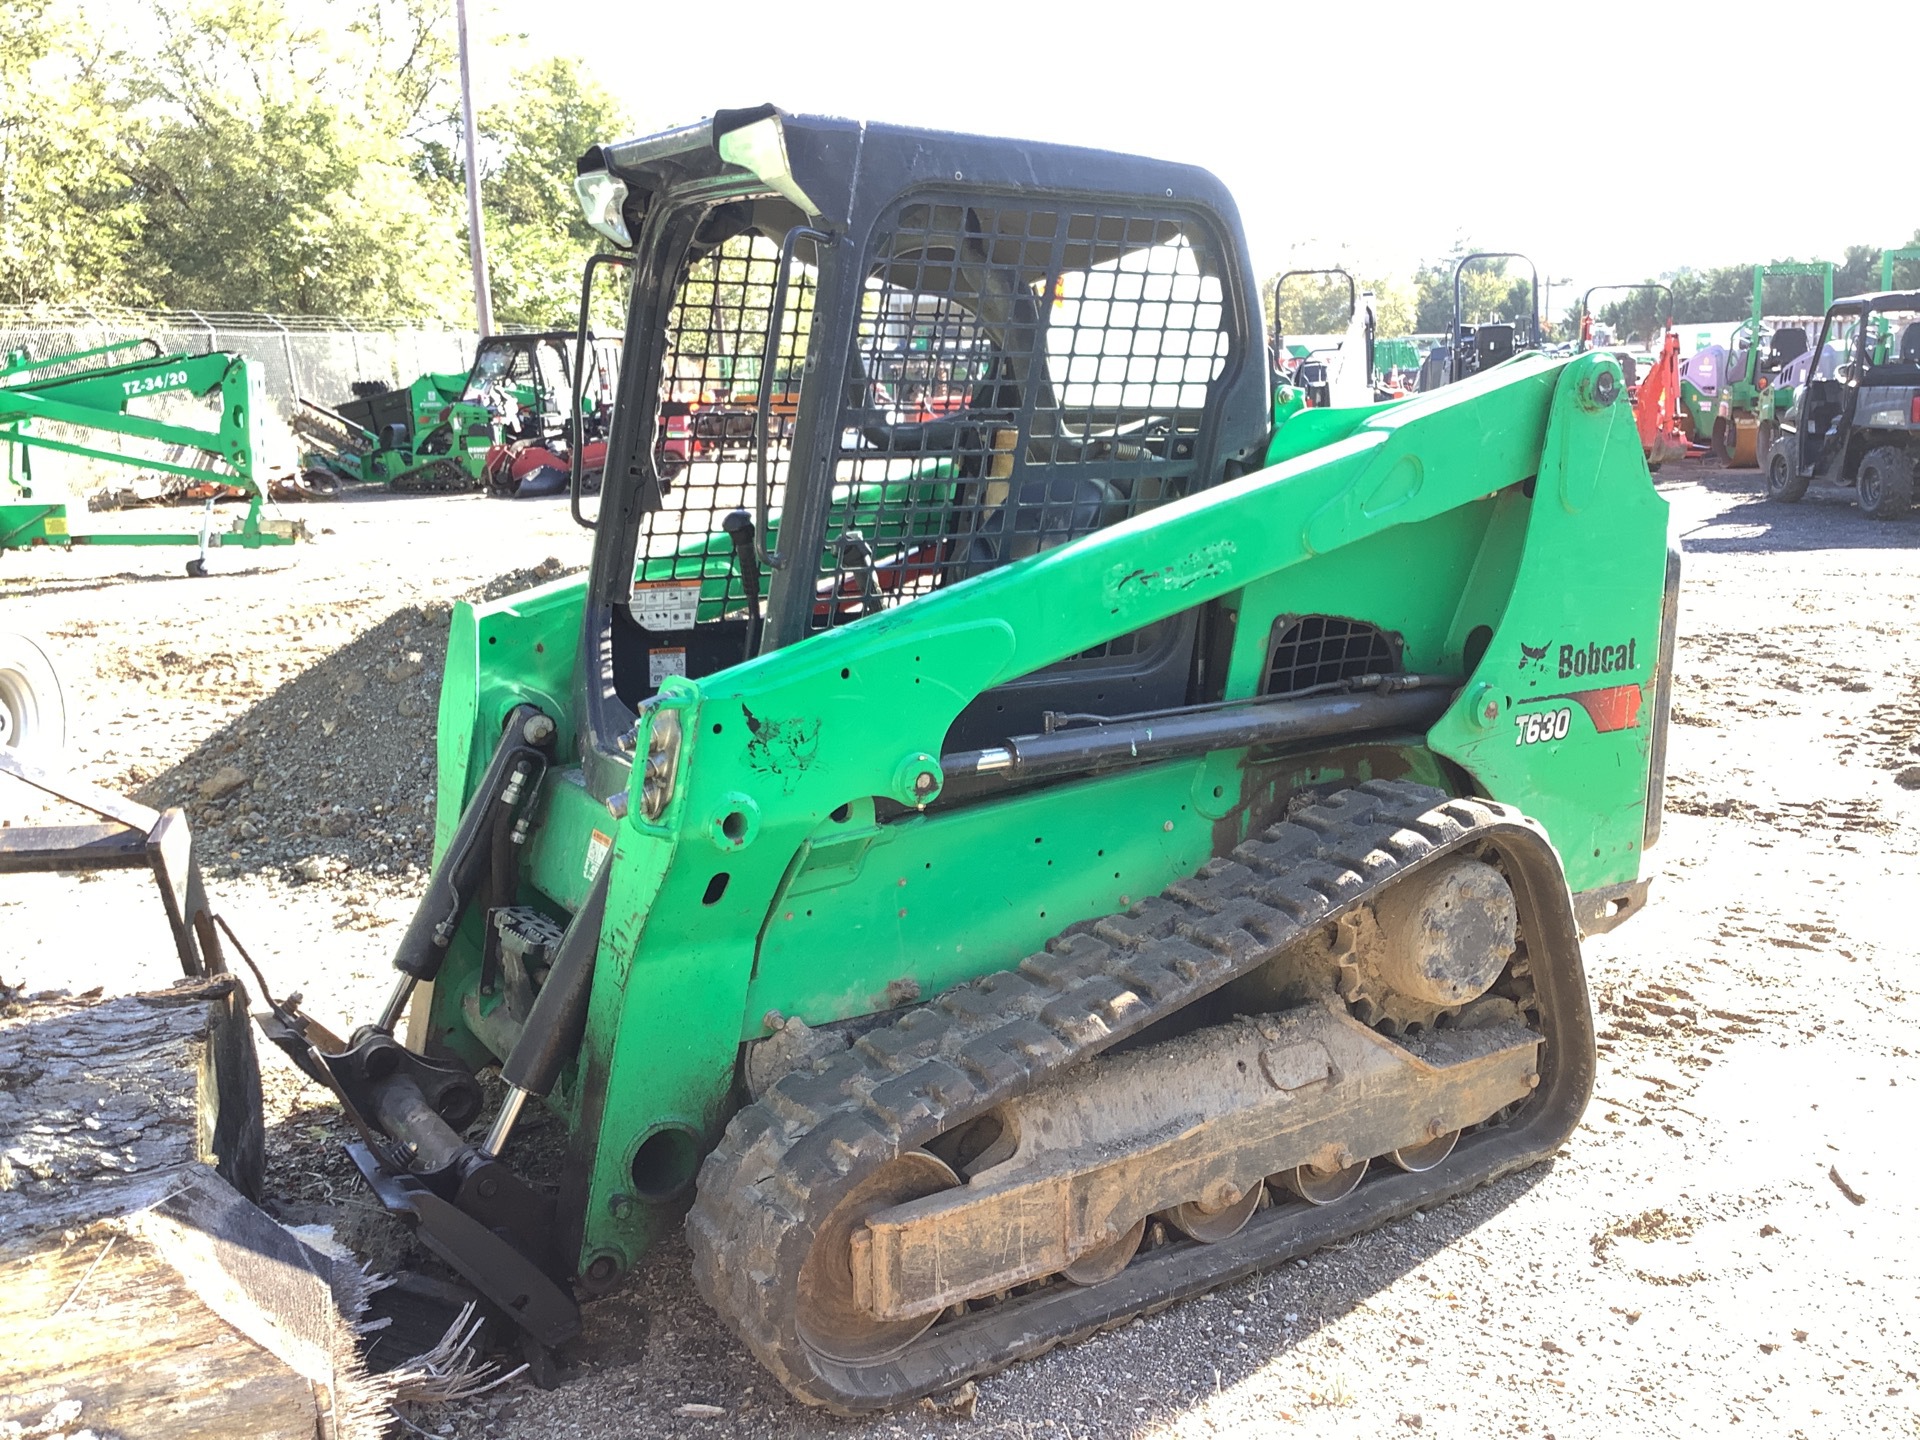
(434, 479)
(785, 1160)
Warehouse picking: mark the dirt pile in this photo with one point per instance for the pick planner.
(331, 776)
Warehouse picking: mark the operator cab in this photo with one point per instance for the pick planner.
(941, 374)
(522, 380)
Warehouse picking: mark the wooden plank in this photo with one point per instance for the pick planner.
(141, 1290)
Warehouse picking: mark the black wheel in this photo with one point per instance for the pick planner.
(1785, 483)
(197, 568)
(1723, 442)
(1885, 483)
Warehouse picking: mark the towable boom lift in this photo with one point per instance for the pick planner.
(89, 392)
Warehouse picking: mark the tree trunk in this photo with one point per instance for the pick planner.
(141, 1291)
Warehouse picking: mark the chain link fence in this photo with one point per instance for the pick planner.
(316, 357)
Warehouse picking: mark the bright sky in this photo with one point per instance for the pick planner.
(1609, 142)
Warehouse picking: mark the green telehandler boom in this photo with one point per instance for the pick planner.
(1015, 865)
(87, 393)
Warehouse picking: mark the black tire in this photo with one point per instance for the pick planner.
(1884, 483)
(1785, 483)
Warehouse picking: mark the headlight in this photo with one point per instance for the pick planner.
(603, 200)
(663, 759)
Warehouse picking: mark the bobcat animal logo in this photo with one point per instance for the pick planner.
(1533, 654)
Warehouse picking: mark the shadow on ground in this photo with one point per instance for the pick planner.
(657, 1339)
(1827, 519)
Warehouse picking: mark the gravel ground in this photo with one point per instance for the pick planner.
(1726, 1244)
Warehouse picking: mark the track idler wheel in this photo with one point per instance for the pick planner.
(1415, 1158)
(829, 1317)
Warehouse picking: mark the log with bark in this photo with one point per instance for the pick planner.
(142, 1292)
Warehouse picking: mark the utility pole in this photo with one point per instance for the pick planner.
(476, 238)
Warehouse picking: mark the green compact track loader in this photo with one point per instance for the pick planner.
(1033, 838)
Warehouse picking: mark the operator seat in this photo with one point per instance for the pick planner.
(1494, 343)
(1785, 347)
(1910, 343)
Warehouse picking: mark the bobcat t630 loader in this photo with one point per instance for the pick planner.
(1034, 838)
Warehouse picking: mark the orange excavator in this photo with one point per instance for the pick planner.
(1654, 393)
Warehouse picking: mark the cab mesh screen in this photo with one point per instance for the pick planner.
(1021, 377)
(704, 448)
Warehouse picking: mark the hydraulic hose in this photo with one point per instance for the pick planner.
(456, 879)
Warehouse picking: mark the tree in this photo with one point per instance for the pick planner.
(270, 173)
(537, 239)
(1487, 293)
(1317, 304)
(69, 222)
(1725, 292)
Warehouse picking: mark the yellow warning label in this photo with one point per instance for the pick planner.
(55, 524)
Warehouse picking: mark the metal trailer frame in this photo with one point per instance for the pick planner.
(133, 837)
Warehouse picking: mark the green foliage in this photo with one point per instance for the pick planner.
(1726, 292)
(1317, 304)
(268, 183)
(536, 238)
(255, 155)
(1488, 293)
(68, 219)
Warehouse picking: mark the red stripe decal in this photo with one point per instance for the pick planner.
(1615, 708)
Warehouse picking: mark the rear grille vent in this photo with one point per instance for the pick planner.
(1309, 650)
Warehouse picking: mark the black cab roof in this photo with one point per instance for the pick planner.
(1877, 300)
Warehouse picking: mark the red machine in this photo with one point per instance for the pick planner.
(1655, 395)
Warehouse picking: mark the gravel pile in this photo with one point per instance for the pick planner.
(331, 777)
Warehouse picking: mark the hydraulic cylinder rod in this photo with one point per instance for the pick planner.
(1084, 749)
